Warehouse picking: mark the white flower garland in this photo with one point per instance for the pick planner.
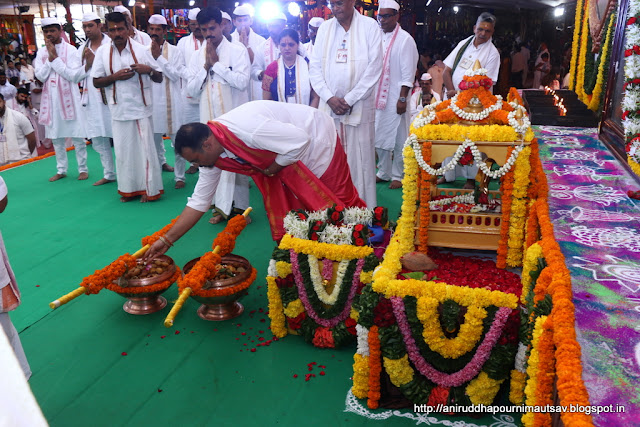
(521, 358)
(333, 234)
(318, 284)
(426, 116)
(479, 72)
(271, 270)
(475, 117)
(520, 128)
(363, 340)
(631, 101)
(462, 198)
(358, 216)
(477, 157)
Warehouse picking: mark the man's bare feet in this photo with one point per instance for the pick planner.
(125, 199)
(216, 219)
(167, 168)
(82, 176)
(144, 198)
(103, 181)
(57, 177)
(192, 169)
(469, 185)
(179, 185)
(441, 180)
(378, 179)
(395, 184)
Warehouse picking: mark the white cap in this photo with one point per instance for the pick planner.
(388, 4)
(193, 14)
(226, 16)
(45, 22)
(316, 21)
(243, 9)
(425, 76)
(91, 16)
(122, 9)
(157, 20)
(279, 16)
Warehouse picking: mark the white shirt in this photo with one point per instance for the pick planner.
(172, 70)
(295, 132)
(128, 103)
(188, 46)
(226, 82)
(254, 90)
(27, 73)
(267, 52)
(486, 53)
(142, 38)
(22, 128)
(8, 90)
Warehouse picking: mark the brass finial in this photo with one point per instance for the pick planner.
(476, 65)
(433, 100)
(519, 113)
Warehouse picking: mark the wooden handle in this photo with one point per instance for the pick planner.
(168, 322)
(66, 298)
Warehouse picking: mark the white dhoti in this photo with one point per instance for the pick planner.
(102, 145)
(392, 131)
(468, 171)
(359, 145)
(179, 163)
(14, 340)
(60, 147)
(137, 165)
(159, 142)
(232, 192)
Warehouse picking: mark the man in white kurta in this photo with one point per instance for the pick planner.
(22, 104)
(17, 138)
(344, 70)
(244, 34)
(188, 46)
(126, 69)
(314, 24)
(7, 90)
(423, 97)
(399, 62)
(138, 36)
(98, 124)
(219, 78)
(167, 95)
(476, 47)
(60, 106)
(268, 51)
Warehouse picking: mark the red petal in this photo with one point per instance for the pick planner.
(124, 353)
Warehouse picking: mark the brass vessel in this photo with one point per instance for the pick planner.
(148, 302)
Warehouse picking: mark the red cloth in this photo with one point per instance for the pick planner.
(295, 186)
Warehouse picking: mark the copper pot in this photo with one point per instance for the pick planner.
(148, 302)
(227, 306)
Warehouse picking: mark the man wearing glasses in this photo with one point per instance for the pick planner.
(345, 67)
(399, 63)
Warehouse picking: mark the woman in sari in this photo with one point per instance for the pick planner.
(287, 78)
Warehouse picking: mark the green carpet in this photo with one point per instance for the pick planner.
(197, 373)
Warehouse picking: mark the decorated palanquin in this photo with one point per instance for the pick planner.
(451, 336)
(473, 127)
(319, 269)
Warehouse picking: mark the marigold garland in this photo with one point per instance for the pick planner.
(483, 389)
(546, 365)
(226, 239)
(516, 387)
(31, 160)
(532, 370)
(399, 370)
(577, 26)
(276, 312)
(150, 240)
(518, 208)
(325, 250)
(360, 387)
(156, 287)
(603, 68)
(507, 197)
(530, 263)
(635, 167)
(582, 55)
(493, 132)
(425, 197)
(375, 368)
(104, 277)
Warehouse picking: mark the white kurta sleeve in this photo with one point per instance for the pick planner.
(493, 65)
(174, 69)
(238, 74)
(205, 189)
(197, 76)
(372, 73)
(258, 65)
(316, 77)
(68, 70)
(98, 69)
(409, 62)
(43, 69)
(79, 73)
(148, 59)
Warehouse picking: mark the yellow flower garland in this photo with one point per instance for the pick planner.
(594, 105)
(325, 250)
(635, 166)
(366, 277)
(360, 387)
(466, 339)
(530, 263)
(482, 389)
(283, 269)
(278, 327)
(399, 370)
(519, 208)
(516, 387)
(354, 314)
(294, 308)
(582, 56)
(446, 132)
(574, 47)
(532, 370)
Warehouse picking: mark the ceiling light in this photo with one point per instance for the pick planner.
(132, 3)
(455, 9)
(293, 8)
(192, 2)
(428, 3)
(558, 11)
(439, 9)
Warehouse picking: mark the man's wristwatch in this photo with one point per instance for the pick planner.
(402, 99)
